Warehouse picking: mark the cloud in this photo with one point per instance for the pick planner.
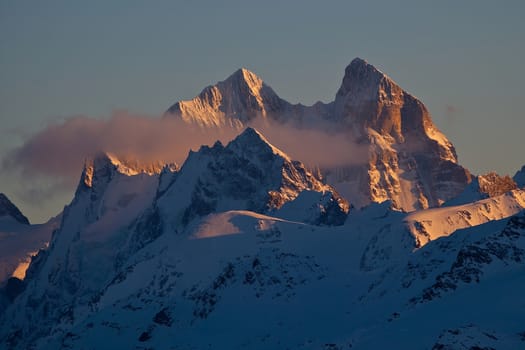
(451, 115)
(61, 148)
(45, 169)
(451, 109)
(314, 146)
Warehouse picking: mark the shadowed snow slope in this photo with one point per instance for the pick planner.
(272, 282)
(8, 209)
(19, 241)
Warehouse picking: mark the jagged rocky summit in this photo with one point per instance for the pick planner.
(8, 209)
(484, 186)
(249, 174)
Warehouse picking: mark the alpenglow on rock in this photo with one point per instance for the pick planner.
(235, 101)
(410, 162)
(484, 186)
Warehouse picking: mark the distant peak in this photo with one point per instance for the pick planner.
(519, 177)
(96, 164)
(245, 76)
(250, 138)
(107, 163)
(104, 160)
(360, 65)
(359, 71)
(245, 73)
(358, 62)
(250, 135)
(365, 82)
(7, 208)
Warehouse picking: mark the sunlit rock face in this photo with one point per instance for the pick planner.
(490, 185)
(410, 162)
(240, 98)
(494, 185)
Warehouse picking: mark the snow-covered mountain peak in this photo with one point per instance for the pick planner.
(366, 82)
(247, 77)
(252, 142)
(104, 165)
(368, 98)
(408, 154)
(8, 209)
(101, 166)
(519, 177)
(241, 97)
(245, 83)
(247, 174)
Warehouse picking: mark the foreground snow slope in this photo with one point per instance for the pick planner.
(268, 283)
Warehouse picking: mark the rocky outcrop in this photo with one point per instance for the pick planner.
(490, 185)
(494, 185)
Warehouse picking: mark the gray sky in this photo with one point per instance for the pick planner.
(59, 59)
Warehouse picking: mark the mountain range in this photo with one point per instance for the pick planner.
(410, 162)
(243, 247)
